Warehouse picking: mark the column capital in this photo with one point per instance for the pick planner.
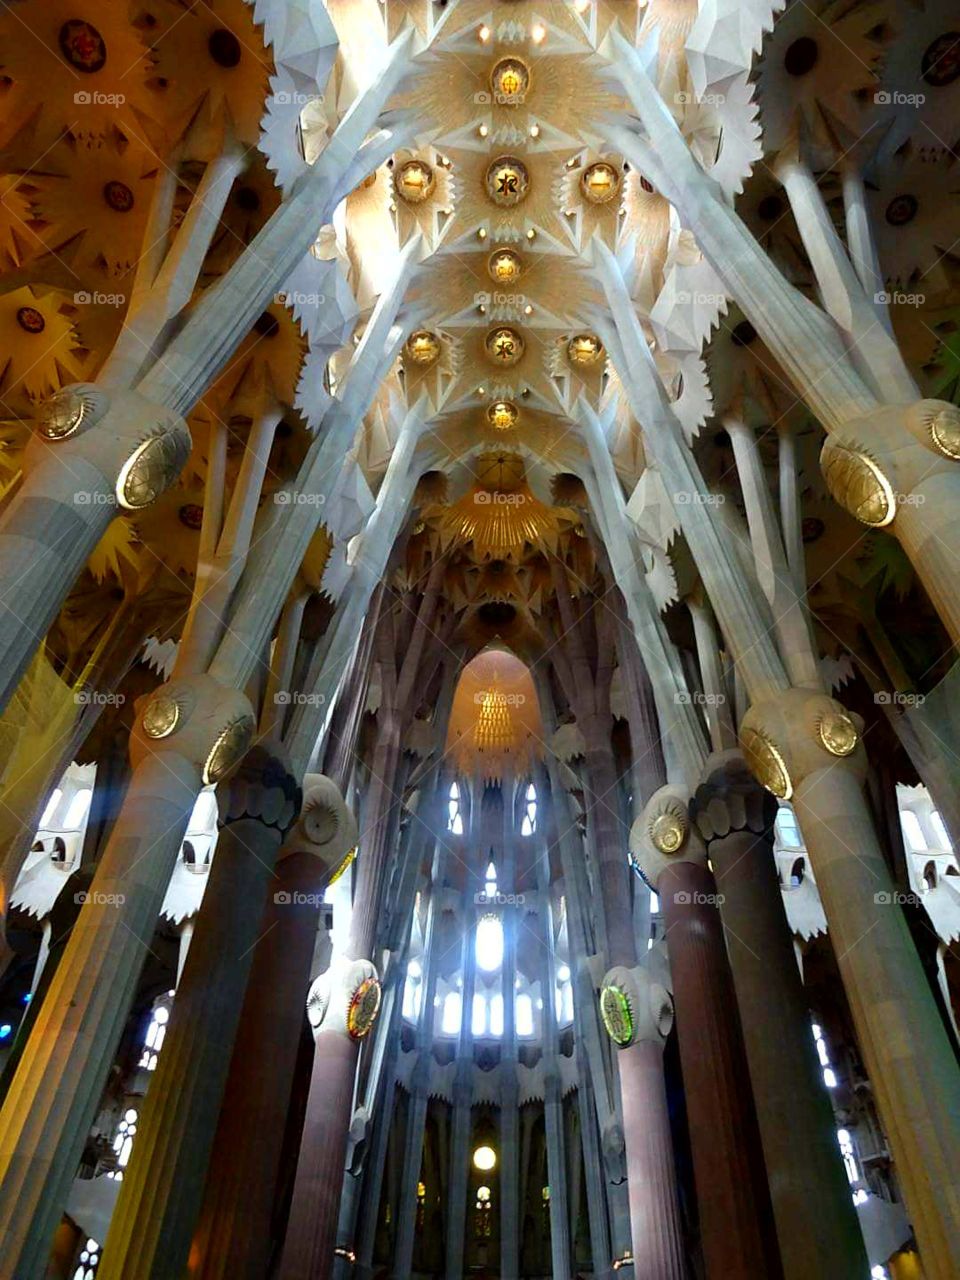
(325, 828)
(346, 999)
(261, 787)
(663, 834)
(196, 717)
(634, 1007)
(729, 798)
(801, 731)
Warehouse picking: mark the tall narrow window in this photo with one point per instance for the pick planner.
(524, 1014)
(454, 817)
(77, 809)
(450, 1022)
(123, 1142)
(912, 831)
(411, 991)
(529, 824)
(496, 1015)
(490, 883)
(50, 808)
(153, 1040)
(787, 829)
(489, 943)
(88, 1261)
(478, 1023)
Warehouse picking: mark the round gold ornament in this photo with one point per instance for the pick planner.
(414, 181)
(668, 832)
(766, 763)
(161, 717)
(837, 733)
(617, 1015)
(509, 81)
(585, 350)
(502, 415)
(507, 181)
(504, 266)
(363, 1009)
(504, 346)
(599, 182)
(423, 347)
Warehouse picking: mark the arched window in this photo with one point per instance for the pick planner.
(529, 824)
(849, 1159)
(450, 1021)
(77, 809)
(912, 831)
(489, 943)
(930, 876)
(490, 883)
(564, 996)
(524, 1014)
(454, 817)
(478, 1024)
(123, 1142)
(153, 1040)
(796, 873)
(829, 1075)
(787, 829)
(411, 990)
(50, 808)
(496, 1015)
(940, 831)
(88, 1261)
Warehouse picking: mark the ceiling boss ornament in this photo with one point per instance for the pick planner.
(423, 347)
(502, 415)
(507, 181)
(414, 181)
(600, 182)
(585, 350)
(504, 266)
(504, 346)
(509, 82)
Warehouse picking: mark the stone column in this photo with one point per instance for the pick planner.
(728, 1163)
(805, 748)
(510, 1204)
(154, 1218)
(191, 731)
(459, 1178)
(560, 1233)
(232, 1237)
(807, 1180)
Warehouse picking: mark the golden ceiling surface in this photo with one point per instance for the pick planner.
(495, 729)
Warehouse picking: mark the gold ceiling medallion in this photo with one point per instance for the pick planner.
(507, 181)
(858, 484)
(837, 733)
(363, 1008)
(504, 266)
(502, 415)
(423, 347)
(585, 350)
(504, 346)
(599, 182)
(509, 81)
(414, 181)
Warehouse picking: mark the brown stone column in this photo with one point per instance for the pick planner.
(308, 1251)
(807, 1179)
(156, 1212)
(738, 1239)
(656, 1230)
(728, 1163)
(233, 1231)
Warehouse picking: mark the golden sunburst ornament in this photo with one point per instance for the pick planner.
(509, 81)
(414, 181)
(585, 350)
(599, 182)
(507, 181)
(505, 266)
(423, 347)
(502, 415)
(504, 346)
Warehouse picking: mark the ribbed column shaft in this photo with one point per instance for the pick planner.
(156, 1213)
(232, 1239)
(55, 1093)
(656, 1229)
(728, 1164)
(312, 1227)
(807, 1178)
